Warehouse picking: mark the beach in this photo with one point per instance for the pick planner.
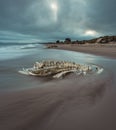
(108, 50)
(77, 103)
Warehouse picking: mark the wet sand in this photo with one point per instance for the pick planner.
(67, 104)
(83, 103)
(108, 50)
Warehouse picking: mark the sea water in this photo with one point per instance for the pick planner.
(16, 50)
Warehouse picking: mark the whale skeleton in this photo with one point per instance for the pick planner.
(57, 69)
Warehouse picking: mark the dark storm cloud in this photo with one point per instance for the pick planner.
(18, 15)
(35, 19)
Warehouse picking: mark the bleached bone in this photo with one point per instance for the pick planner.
(59, 68)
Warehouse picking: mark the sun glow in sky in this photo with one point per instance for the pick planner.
(91, 33)
(54, 7)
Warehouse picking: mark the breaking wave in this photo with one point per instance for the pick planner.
(29, 46)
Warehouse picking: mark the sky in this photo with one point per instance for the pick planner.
(51, 20)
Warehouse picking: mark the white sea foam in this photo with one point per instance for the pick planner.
(100, 71)
(29, 46)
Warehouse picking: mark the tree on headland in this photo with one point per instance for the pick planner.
(67, 40)
(57, 41)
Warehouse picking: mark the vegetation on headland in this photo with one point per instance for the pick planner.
(102, 40)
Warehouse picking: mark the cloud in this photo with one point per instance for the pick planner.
(101, 14)
(6, 36)
(37, 19)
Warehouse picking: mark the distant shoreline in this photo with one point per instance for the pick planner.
(108, 50)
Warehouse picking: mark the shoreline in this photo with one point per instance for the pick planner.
(108, 50)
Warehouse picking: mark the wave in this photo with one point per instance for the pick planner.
(29, 46)
(20, 46)
(11, 51)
